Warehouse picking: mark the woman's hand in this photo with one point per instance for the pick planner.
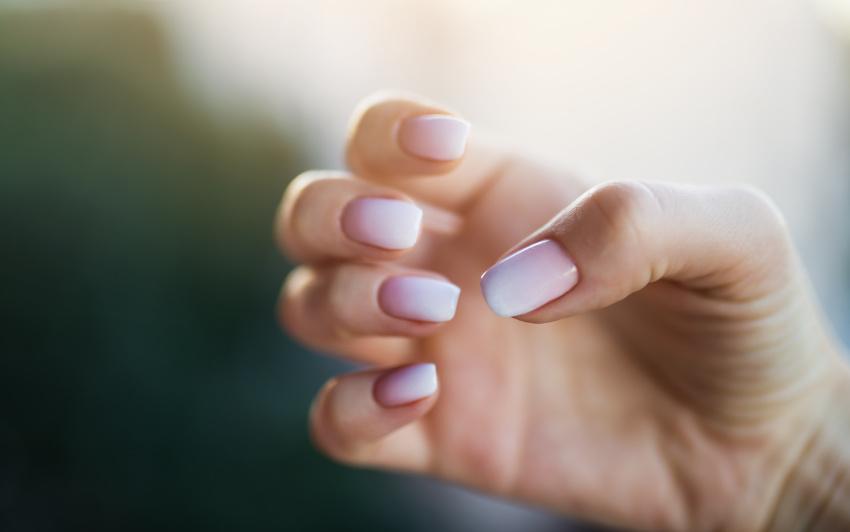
(666, 367)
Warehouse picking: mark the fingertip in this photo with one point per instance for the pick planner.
(326, 215)
(396, 136)
(357, 418)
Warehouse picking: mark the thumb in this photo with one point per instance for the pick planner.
(619, 237)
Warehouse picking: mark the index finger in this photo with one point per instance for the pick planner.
(397, 137)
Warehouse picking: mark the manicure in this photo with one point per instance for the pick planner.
(434, 137)
(406, 385)
(418, 298)
(528, 279)
(381, 222)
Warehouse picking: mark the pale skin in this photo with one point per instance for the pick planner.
(679, 385)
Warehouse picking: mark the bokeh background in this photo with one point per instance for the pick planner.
(144, 384)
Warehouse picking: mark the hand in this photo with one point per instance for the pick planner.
(665, 369)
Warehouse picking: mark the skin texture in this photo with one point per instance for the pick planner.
(675, 387)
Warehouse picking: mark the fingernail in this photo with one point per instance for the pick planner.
(418, 298)
(406, 385)
(435, 137)
(381, 222)
(529, 278)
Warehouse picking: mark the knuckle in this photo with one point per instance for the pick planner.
(324, 430)
(303, 179)
(373, 103)
(290, 206)
(627, 206)
(326, 444)
(322, 444)
(371, 139)
(289, 307)
(625, 216)
(381, 104)
(302, 191)
(295, 227)
(314, 306)
(371, 115)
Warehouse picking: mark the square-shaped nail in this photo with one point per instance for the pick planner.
(406, 385)
(434, 137)
(382, 222)
(529, 278)
(418, 298)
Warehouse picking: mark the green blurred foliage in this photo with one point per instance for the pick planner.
(144, 384)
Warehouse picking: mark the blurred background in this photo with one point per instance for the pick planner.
(144, 384)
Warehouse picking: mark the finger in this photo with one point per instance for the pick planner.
(366, 418)
(331, 215)
(396, 137)
(330, 306)
(619, 237)
(327, 215)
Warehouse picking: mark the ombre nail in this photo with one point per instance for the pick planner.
(406, 385)
(528, 279)
(434, 137)
(418, 298)
(382, 222)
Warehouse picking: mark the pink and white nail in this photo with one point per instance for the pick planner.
(434, 137)
(528, 279)
(382, 222)
(419, 298)
(406, 385)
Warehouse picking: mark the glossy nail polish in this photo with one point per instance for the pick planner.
(528, 279)
(434, 137)
(406, 385)
(418, 298)
(382, 222)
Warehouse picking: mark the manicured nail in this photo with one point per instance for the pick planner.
(529, 278)
(435, 137)
(418, 298)
(381, 222)
(406, 385)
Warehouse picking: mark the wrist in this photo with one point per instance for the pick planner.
(816, 492)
